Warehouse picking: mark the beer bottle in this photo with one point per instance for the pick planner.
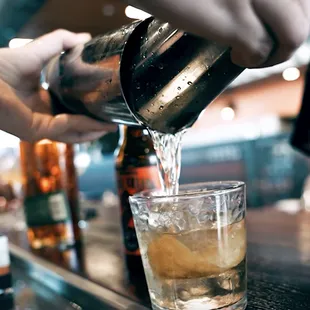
(136, 170)
(46, 206)
(72, 189)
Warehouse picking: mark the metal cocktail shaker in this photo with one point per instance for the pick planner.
(146, 73)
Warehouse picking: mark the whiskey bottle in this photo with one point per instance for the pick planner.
(136, 170)
(46, 205)
(72, 189)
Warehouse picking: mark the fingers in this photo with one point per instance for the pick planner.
(75, 137)
(230, 22)
(260, 32)
(17, 119)
(289, 21)
(250, 41)
(69, 128)
(54, 43)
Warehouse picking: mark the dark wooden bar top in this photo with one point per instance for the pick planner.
(278, 257)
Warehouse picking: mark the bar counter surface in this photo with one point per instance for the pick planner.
(278, 260)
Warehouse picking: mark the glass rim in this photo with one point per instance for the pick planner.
(185, 194)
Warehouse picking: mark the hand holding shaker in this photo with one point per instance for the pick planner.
(144, 74)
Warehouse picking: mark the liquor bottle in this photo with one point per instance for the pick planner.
(72, 259)
(136, 170)
(72, 190)
(46, 205)
(70, 176)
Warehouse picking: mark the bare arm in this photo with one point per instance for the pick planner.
(260, 32)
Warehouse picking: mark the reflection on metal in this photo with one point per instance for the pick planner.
(134, 13)
(78, 290)
(145, 73)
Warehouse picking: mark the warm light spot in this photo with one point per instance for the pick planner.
(45, 184)
(82, 160)
(44, 141)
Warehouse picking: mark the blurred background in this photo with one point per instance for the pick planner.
(243, 135)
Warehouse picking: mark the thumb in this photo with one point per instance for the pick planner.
(52, 44)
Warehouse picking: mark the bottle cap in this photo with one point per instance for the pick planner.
(4, 252)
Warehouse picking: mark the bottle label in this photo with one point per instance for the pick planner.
(47, 209)
(130, 182)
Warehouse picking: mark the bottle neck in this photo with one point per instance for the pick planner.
(127, 133)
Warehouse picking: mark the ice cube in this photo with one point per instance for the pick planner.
(153, 220)
(229, 280)
(201, 290)
(134, 207)
(204, 216)
(179, 224)
(166, 219)
(199, 239)
(143, 215)
(195, 207)
(184, 295)
(229, 249)
(171, 259)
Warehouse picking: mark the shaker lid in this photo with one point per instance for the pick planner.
(4, 252)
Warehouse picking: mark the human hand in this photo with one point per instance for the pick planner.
(25, 108)
(261, 32)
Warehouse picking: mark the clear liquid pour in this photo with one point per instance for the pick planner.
(168, 151)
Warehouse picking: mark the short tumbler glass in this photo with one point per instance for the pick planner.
(193, 246)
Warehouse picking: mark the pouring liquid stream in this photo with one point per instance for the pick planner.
(168, 152)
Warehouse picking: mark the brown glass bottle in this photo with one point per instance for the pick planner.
(46, 205)
(72, 189)
(136, 170)
(70, 259)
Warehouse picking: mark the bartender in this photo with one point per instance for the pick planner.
(261, 33)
